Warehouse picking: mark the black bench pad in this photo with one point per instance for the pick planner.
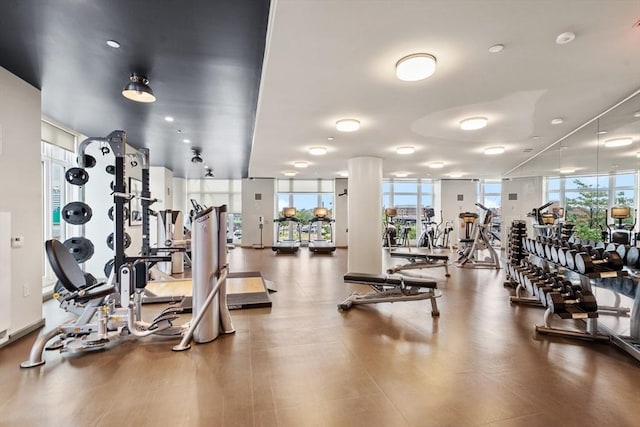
(379, 279)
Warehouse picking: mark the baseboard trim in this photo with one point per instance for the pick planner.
(23, 332)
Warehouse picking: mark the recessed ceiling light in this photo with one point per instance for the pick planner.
(415, 67)
(473, 123)
(300, 165)
(455, 175)
(348, 125)
(557, 121)
(317, 151)
(112, 43)
(330, 138)
(436, 165)
(566, 37)
(636, 114)
(401, 174)
(602, 132)
(405, 150)
(492, 151)
(343, 174)
(617, 142)
(289, 173)
(567, 170)
(496, 48)
(168, 119)
(186, 141)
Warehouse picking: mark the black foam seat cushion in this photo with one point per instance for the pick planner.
(420, 283)
(364, 277)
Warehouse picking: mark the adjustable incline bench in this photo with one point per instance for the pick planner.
(391, 289)
(420, 260)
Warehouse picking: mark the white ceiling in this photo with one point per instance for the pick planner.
(332, 59)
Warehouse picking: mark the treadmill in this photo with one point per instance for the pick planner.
(287, 225)
(320, 223)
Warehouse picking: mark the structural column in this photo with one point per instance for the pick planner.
(365, 210)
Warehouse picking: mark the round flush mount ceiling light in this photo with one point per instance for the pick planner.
(112, 43)
(405, 150)
(492, 151)
(617, 142)
(567, 170)
(289, 173)
(557, 121)
(348, 125)
(415, 67)
(169, 119)
(186, 141)
(473, 123)
(436, 165)
(300, 165)
(566, 37)
(317, 151)
(455, 175)
(401, 174)
(496, 48)
(343, 174)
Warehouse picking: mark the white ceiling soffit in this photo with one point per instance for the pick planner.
(328, 60)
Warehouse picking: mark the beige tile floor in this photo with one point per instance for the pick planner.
(303, 363)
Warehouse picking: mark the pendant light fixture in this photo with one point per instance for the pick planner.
(138, 89)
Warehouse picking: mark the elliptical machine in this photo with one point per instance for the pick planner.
(481, 240)
(622, 233)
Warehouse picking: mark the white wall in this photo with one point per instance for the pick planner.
(340, 212)
(21, 196)
(451, 207)
(252, 209)
(528, 192)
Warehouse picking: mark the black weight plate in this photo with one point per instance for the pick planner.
(110, 213)
(76, 213)
(111, 170)
(81, 248)
(633, 255)
(127, 240)
(108, 267)
(587, 301)
(89, 161)
(76, 176)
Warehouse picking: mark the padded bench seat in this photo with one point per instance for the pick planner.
(420, 255)
(381, 279)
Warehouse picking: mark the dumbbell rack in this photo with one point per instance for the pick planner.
(596, 330)
(515, 249)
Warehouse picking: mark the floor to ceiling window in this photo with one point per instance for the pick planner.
(217, 192)
(409, 197)
(57, 155)
(305, 196)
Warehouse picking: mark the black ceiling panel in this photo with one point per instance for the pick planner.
(203, 59)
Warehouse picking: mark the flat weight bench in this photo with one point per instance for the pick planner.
(391, 289)
(419, 260)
